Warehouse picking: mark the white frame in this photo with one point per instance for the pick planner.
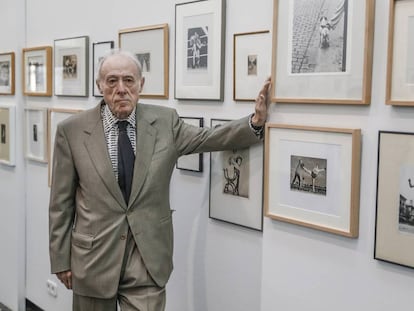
(191, 162)
(245, 211)
(337, 211)
(152, 40)
(44, 53)
(8, 89)
(245, 44)
(99, 49)
(68, 86)
(36, 134)
(8, 135)
(350, 87)
(208, 83)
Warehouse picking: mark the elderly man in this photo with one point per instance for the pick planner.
(111, 234)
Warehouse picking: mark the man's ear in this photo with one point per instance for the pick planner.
(142, 82)
(99, 87)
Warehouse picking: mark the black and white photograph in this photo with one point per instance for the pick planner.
(236, 168)
(308, 174)
(145, 61)
(4, 73)
(252, 65)
(3, 133)
(70, 65)
(319, 36)
(197, 51)
(35, 132)
(406, 201)
(36, 74)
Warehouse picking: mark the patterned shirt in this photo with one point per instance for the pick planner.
(111, 134)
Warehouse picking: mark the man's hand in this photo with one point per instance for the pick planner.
(262, 104)
(66, 278)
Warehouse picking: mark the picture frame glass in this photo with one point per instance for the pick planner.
(37, 71)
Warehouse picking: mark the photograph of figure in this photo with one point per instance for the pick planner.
(406, 200)
(252, 65)
(319, 36)
(70, 64)
(197, 48)
(36, 81)
(3, 133)
(145, 61)
(4, 73)
(308, 174)
(236, 169)
(35, 132)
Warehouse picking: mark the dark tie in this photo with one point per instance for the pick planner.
(126, 160)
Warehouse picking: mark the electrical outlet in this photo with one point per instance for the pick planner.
(51, 288)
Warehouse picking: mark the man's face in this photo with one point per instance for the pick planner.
(120, 85)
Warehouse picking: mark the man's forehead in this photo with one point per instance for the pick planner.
(119, 65)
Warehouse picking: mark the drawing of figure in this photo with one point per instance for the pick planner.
(3, 133)
(196, 45)
(232, 182)
(236, 172)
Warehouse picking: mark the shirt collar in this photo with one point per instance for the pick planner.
(109, 120)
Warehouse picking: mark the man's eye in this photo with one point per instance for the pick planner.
(129, 81)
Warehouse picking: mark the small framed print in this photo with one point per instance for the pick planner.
(191, 162)
(72, 66)
(7, 135)
(7, 66)
(150, 45)
(36, 134)
(322, 52)
(394, 229)
(199, 50)
(312, 177)
(37, 71)
(251, 63)
(400, 67)
(99, 50)
(54, 117)
(236, 185)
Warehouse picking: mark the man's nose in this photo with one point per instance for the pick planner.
(121, 88)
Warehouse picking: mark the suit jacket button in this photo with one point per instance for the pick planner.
(123, 237)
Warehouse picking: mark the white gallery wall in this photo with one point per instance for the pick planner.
(218, 266)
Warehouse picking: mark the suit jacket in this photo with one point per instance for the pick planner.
(88, 217)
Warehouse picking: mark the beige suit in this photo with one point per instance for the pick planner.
(88, 218)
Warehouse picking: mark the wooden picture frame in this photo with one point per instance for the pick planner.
(7, 73)
(251, 63)
(199, 50)
(236, 185)
(394, 225)
(37, 71)
(150, 44)
(72, 66)
(99, 49)
(324, 55)
(312, 177)
(400, 62)
(7, 135)
(191, 162)
(36, 126)
(54, 117)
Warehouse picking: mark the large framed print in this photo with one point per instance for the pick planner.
(7, 66)
(312, 177)
(72, 66)
(191, 162)
(394, 229)
(150, 45)
(36, 134)
(236, 185)
(322, 51)
(7, 135)
(400, 66)
(199, 50)
(54, 117)
(251, 63)
(99, 50)
(37, 71)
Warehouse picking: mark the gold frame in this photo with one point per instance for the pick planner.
(48, 62)
(163, 93)
(12, 75)
(338, 209)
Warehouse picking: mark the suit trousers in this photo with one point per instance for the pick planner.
(137, 291)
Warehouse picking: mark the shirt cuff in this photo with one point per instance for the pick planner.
(257, 130)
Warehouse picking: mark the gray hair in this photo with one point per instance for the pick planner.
(114, 52)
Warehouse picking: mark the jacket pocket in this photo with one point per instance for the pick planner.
(82, 240)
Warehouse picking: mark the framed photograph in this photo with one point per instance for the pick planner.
(322, 53)
(199, 50)
(191, 162)
(312, 177)
(99, 49)
(400, 66)
(150, 45)
(36, 134)
(251, 63)
(7, 135)
(7, 66)
(72, 66)
(37, 71)
(236, 185)
(54, 117)
(394, 229)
